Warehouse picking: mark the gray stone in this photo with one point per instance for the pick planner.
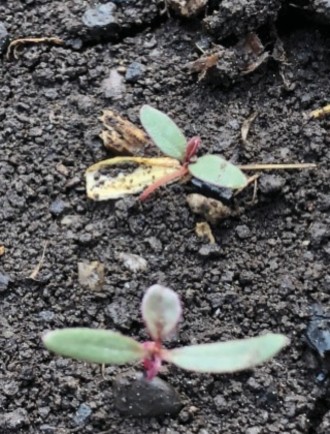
(270, 184)
(46, 315)
(10, 389)
(210, 250)
(13, 420)
(100, 15)
(58, 207)
(134, 72)
(4, 282)
(82, 414)
(113, 87)
(136, 396)
(243, 232)
(219, 402)
(4, 38)
(254, 430)
(318, 232)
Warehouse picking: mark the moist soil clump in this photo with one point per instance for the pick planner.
(271, 261)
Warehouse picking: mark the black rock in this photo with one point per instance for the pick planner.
(222, 193)
(136, 396)
(134, 72)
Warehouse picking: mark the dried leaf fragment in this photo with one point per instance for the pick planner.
(204, 63)
(13, 46)
(126, 178)
(211, 209)
(132, 262)
(320, 113)
(91, 275)
(2, 250)
(122, 136)
(187, 8)
(246, 127)
(203, 230)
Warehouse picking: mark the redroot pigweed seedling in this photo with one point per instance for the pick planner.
(161, 311)
(168, 137)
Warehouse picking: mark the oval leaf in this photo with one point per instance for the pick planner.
(216, 170)
(166, 135)
(228, 356)
(94, 346)
(161, 311)
(102, 186)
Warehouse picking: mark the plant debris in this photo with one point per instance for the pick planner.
(246, 128)
(122, 136)
(320, 113)
(132, 262)
(204, 231)
(91, 275)
(226, 65)
(129, 180)
(14, 45)
(37, 268)
(211, 209)
(186, 8)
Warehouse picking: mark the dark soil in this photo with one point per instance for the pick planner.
(266, 275)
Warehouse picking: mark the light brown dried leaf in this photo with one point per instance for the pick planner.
(122, 136)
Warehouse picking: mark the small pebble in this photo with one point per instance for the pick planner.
(4, 282)
(243, 232)
(58, 207)
(134, 72)
(219, 402)
(46, 315)
(10, 389)
(13, 420)
(136, 396)
(114, 87)
(210, 250)
(82, 414)
(254, 430)
(318, 232)
(100, 15)
(4, 38)
(270, 184)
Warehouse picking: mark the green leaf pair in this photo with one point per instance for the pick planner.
(103, 346)
(168, 137)
(161, 311)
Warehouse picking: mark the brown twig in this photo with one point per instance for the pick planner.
(14, 45)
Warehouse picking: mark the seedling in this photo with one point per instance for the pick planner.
(161, 311)
(154, 172)
(167, 136)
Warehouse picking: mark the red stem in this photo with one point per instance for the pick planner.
(180, 173)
